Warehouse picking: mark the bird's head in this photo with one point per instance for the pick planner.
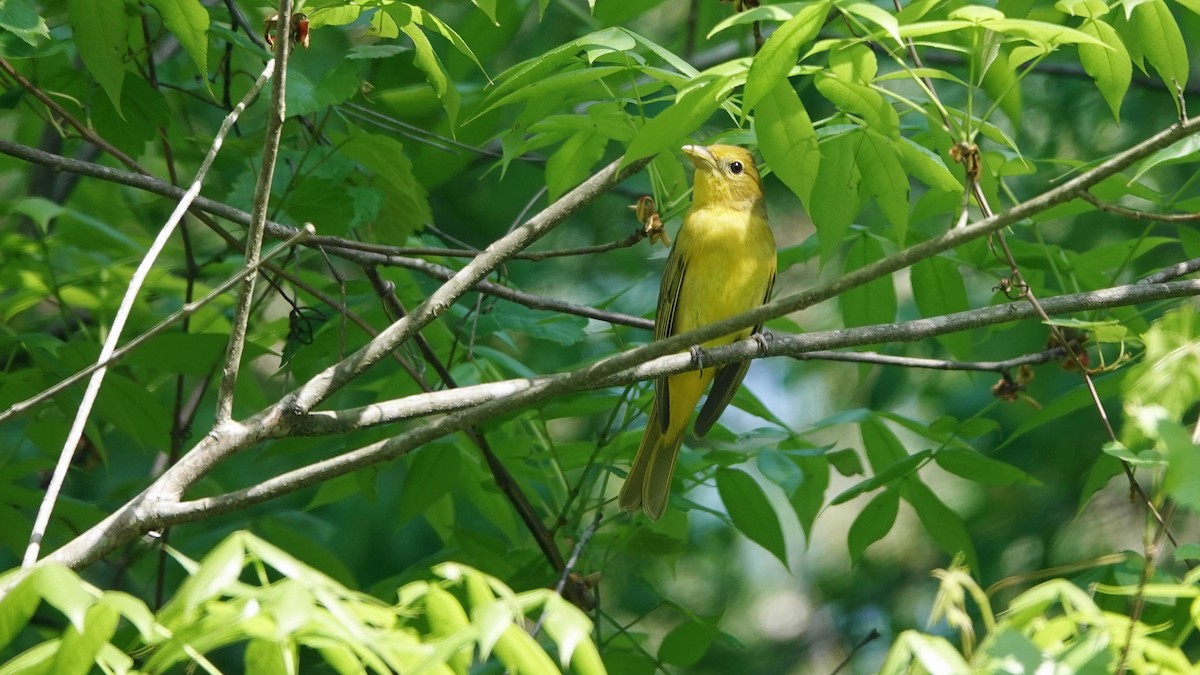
(725, 174)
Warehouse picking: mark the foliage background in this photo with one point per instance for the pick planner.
(401, 135)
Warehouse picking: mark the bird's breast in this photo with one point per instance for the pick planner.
(730, 258)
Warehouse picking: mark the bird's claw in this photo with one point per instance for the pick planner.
(763, 338)
(697, 356)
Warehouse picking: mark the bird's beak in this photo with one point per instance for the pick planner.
(701, 157)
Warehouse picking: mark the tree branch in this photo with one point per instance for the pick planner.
(151, 509)
(262, 196)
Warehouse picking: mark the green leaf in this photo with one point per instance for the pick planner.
(1182, 478)
(565, 81)
(337, 84)
(838, 185)
(406, 206)
(488, 7)
(21, 18)
(926, 166)
(1071, 401)
(855, 63)
(65, 591)
(572, 163)
(900, 469)
(538, 69)
(102, 36)
(938, 289)
(431, 475)
(884, 177)
(428, 21)
(1110, 67)
(1187, 552)
(808, 496)
(860, 99)
(787, 140)
(980, 468)
(1169, 373)
(942, 523)
(220, 568)
(16, 608)
(428, 63)
(780, 52)
(873, 302)
(668, 128)
(265, 656)
(1162, 42)
(872, 523)
(188, 22)
(78, 649)
(687, 643)
(1183, 150)
(875, 15)
(750, 511)
(1093, 9)
(882, 447)
(777, 13)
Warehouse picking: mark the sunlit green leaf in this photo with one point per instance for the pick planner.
(781, 50)
(787, 141)
(188, 22)
(1162, 42)
(874, 301)
(838, 184)
(667, 129)
(20, 17)
(1109, 66)
(101, 33)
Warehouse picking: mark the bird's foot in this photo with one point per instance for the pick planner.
(763, 338)
(697, 356)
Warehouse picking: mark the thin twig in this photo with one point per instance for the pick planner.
(867, 639)
(1138, 215)
(1153, 546)
(258, 212)
(569, 567)
(337, 242)
(1036, 358)
(1173, 272)
(115, 330)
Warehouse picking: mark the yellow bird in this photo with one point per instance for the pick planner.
(722, 264)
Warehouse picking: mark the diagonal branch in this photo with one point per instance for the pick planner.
(153, 509)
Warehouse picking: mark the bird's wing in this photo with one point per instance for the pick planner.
(664, 326)
(725, 384)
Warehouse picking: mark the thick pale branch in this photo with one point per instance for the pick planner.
(807, 346)
(544, 388)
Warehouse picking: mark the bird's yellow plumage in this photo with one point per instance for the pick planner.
(722, 263)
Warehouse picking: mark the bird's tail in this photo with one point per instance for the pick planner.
(648, 485)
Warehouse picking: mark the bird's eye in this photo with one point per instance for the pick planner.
(736, 167)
